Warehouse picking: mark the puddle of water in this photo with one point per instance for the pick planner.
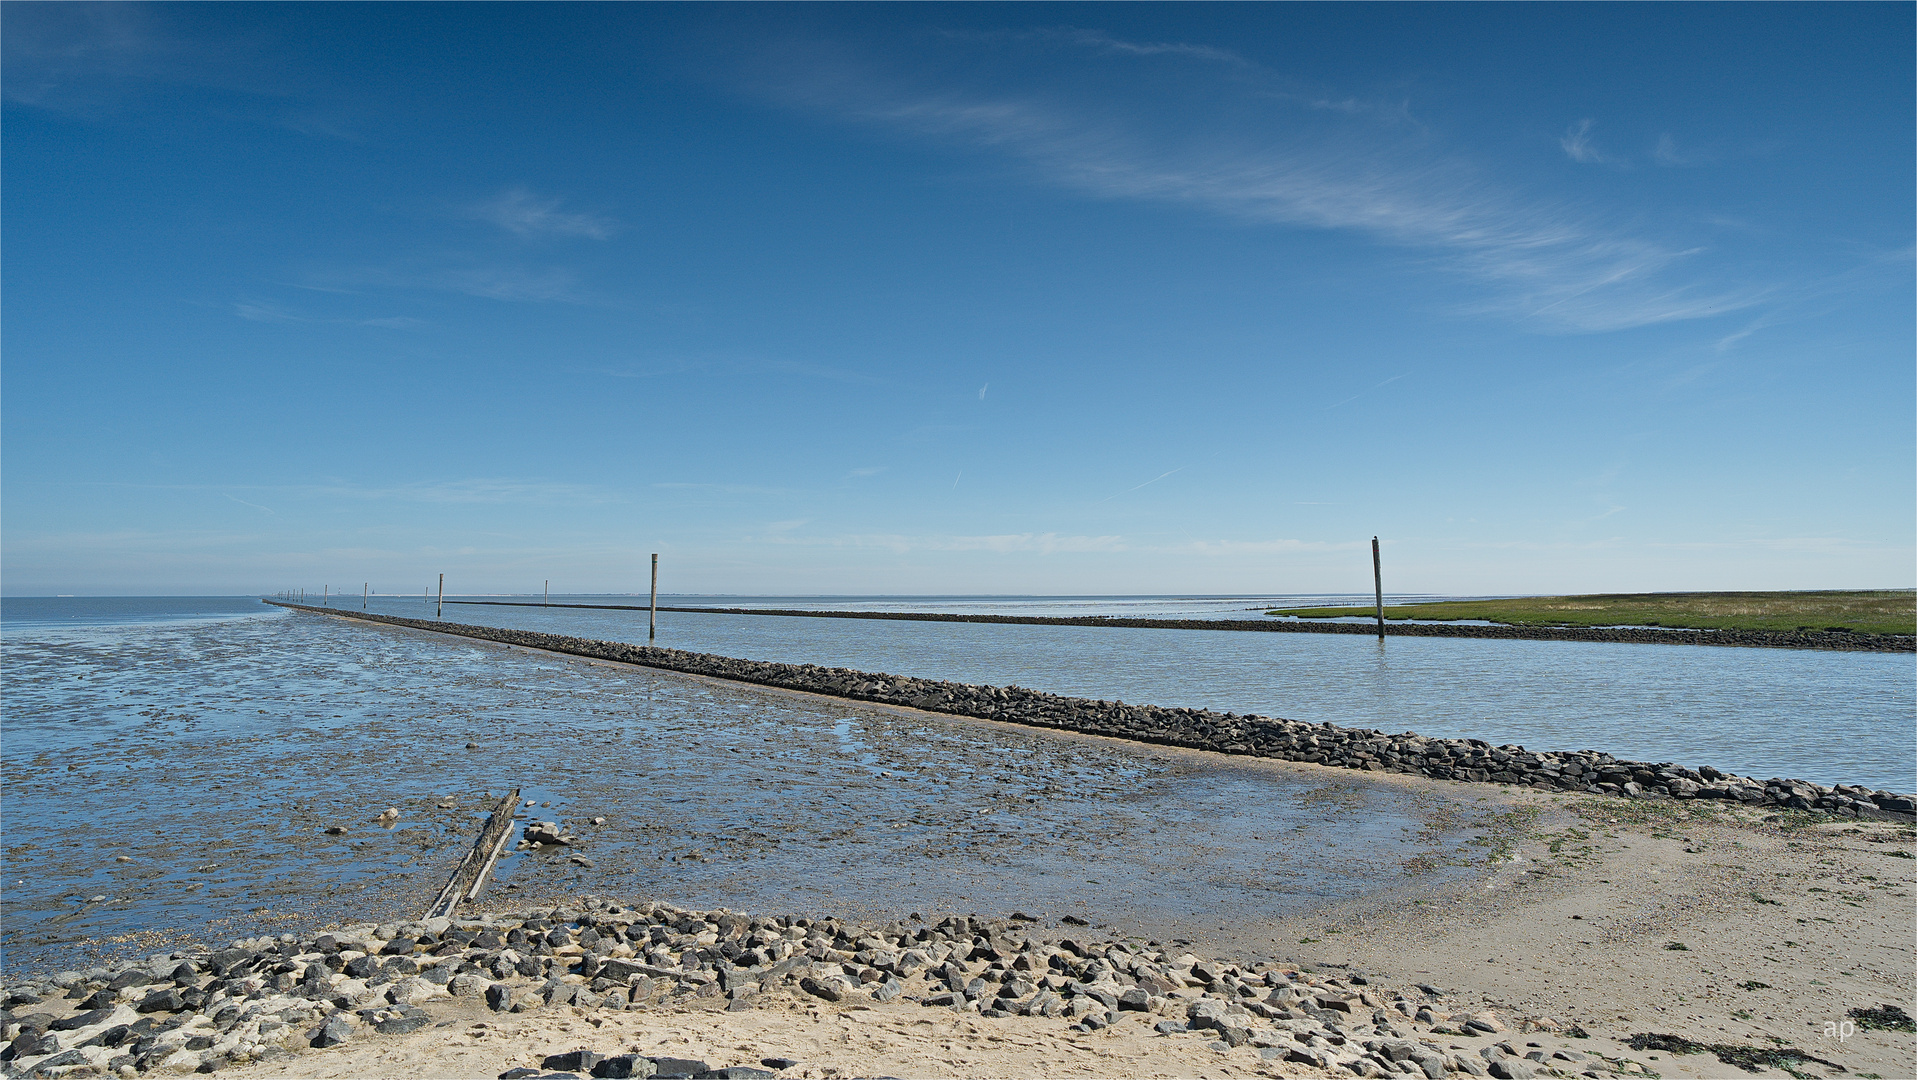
(212, 756)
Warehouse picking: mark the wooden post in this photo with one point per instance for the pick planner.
(363, 590)
(470, 876)
(441, 606)
(547, 602)
(1377, 582)
(326, 596)
(652, 621)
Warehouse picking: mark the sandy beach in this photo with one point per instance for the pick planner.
(1786, 927)
(1599, 922)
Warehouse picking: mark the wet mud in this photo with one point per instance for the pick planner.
(175, 783)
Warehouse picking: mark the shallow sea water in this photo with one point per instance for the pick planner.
(1829, 717)
(208, 744)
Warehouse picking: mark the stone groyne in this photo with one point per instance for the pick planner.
(1229, 733)
(1841, 640)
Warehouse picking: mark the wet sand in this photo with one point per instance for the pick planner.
(1565, 948)
(1555, 912)
(185, 782)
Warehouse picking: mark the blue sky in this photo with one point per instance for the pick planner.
(972, 299)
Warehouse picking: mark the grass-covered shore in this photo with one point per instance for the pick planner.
(1876, 611)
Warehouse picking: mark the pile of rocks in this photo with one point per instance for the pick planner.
(1229, 733)
(200, 1010)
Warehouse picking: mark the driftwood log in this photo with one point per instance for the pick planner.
(477, 866)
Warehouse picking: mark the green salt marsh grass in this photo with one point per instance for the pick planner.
(1871, 611)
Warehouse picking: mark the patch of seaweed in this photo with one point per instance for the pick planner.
(1883, 1018)
(1749, 1058)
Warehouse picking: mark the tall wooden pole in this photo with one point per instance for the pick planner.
(441, 607)
(1377, 581)
(547, 602)
(652, 621)
(363, 590)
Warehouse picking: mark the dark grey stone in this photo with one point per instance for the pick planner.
(334, 1031)
(168, 1000)
(402, 1025)
(130, 977)
(80, 1020)
(572, 1061)
(823, 988)
(624, 1067)
(671, 1068)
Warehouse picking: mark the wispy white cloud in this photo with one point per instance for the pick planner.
(1097, 40)
(1367, 390)
(467, 490)
(1048, 543)
(464, 275)
(521, 212)
(1670, 155)
(507, 283)
(254, 505)
(1731, 340)
(1147, 483)
(57, 56)
(320, 126)
(266, 311)
(1546, 263)
(720, 489)
(1232, 548)
(461, 490)
(1579, 146)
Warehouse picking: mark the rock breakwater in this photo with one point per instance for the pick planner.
(264, 999)
(1471, 760)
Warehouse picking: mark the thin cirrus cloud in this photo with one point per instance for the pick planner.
(486, 280)
(1053, 543)
(1668, 153)
(1540, 262)
(1579, 146)
(470, 490)
(268, 312)
(1048, 543)
(525, 214)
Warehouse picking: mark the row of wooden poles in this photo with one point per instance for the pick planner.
(298, 596)
(652, 618)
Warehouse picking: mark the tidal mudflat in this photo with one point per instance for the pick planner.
(1376, 920)
(177, 781)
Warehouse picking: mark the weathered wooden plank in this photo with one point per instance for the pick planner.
(470, 877)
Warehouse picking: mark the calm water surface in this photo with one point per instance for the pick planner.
(1831, 717)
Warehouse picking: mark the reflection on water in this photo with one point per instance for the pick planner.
(1830, 717)
(173, 776)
